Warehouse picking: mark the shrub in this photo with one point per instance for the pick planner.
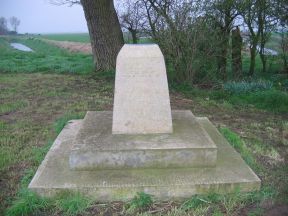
(246, 86)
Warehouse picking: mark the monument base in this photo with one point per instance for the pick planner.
(95, 147)
(54, 174)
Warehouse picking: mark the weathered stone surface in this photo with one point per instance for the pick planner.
(95, 147)
(54, 174)
(141, 99)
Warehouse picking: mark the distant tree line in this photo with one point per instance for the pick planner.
(198, 37)
(14, 24)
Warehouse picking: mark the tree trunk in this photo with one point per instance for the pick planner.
(252, 59)
(284, 47)
(263, 60)
(222, 59)
(105, 32)
(134, 36)
(236, 53)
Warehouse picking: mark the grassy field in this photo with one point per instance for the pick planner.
(80, 37)
(35, 104)
(46, 58)
(84, 37)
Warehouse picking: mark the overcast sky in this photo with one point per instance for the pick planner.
(39, 16)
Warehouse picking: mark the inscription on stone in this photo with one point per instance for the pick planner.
(141, 99)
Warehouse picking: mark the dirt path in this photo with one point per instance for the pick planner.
(71, 46)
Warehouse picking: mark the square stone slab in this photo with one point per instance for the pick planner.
(95, 146)
(54, 174)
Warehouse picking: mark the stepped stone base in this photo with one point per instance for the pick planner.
(95, 146)
(54, 174)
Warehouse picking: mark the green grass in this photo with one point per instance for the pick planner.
(274, 42)
(274, 100)
(45, 58)
(239, 145)
(72, 203)
(27, 137)
(274, 65)
(271, 100)
(85, 38)
(140, 202)
(28, 203)
(61, 122)
(12, 106)
(76, 37)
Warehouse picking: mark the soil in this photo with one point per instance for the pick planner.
(72, 46)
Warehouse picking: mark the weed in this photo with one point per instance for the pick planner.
(72, 203)
(40, 152)
(28, 203)
(245, 86)
(140, 201)
(61, 122)
(11, 107)
(239, 145)
(195, 202)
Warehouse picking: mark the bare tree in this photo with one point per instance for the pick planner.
(260, 20)
(3, 26)
(223, 13)
(104, 30)
(266, 25)
(180, 28)
(249, 12)
(132, 17)
(14, 22)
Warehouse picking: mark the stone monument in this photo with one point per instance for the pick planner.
(141, 99)
(142, 145)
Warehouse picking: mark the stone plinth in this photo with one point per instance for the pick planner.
(137, 150)
(95, 147)
(54, 174)
(141, 99)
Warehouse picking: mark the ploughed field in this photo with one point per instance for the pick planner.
(41, 91)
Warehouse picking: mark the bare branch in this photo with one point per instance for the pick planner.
(65, 2)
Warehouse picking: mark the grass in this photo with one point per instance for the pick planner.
(28, 203)
(76, 37)
(85, 38)
(12, 106)
(271, 100)
(140, 202)
(72, 203)
(45, 58)
(61, 122)
(35, 107)
(274, 100)
(239, 145)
